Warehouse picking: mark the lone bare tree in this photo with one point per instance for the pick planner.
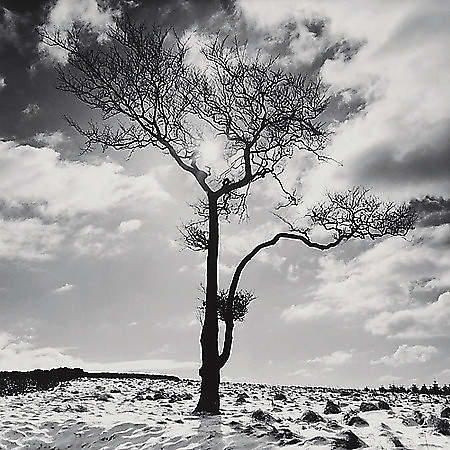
(149, 95)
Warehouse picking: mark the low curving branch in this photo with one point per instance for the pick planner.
(350, 214)
(229, 323)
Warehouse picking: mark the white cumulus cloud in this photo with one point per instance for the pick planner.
(53, 139)
(128, 226)
(405, 296)
(61, 187)
(29, 239)
(64, 288)
(399, 71)
(407, 355)
(308, 311)
(427, 321)
(21, 354)
(336, 358)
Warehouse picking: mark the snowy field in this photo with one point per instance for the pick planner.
(156, 414)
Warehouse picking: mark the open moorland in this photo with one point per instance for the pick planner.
(129, 413)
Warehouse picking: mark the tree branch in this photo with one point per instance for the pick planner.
(351, 214)
(229, 323)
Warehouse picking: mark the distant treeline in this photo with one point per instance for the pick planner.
(14, 382)
(433, 389)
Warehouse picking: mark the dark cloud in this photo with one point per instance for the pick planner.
(228, 5)
(180, 14)
(411, 30)
(316, 26)
(31, 81)
(18, 54)
(18, 21)
(426, 163)
(286, 39)
(432, 211)
(22, 211)
(26, 7)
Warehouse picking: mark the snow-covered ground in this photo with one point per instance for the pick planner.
(132, 413)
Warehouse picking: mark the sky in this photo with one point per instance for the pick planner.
(92, 273)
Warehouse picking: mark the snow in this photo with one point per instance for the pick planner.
(122, 414)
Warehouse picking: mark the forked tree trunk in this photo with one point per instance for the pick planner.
(210, 371)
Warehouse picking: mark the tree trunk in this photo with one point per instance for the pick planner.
(226, 351)
(210, 371)
(229, 322)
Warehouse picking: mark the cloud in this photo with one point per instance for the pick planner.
(444, 373)
(292, 273)
(309, 311)
(98, 242)
(302, 372)
(34, 240)
(185, 322)
(66, 188)
(65, 13)
(433, 211)
(272, 258)
(32, 109)
(336, 358)
(242, 241)
(128, 226)
(64, 288)
(2, 82)
(408, 355)
(427, 321)
(224, 268)
(8, 24)
(20, 354)
(398, 141)
(329, 362)
(395, 297)
(29, 239)
(39, 191)
(52, 140)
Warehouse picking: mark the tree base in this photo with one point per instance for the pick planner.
(199, 412)
(208, 406)
(209, 401)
